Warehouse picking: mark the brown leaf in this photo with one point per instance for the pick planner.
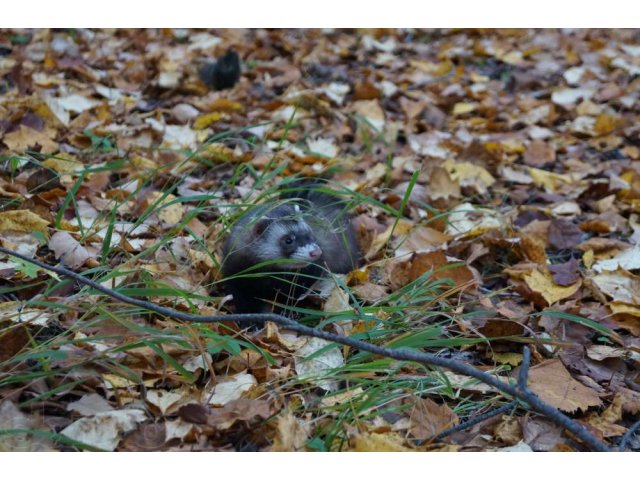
(508, 431)
(630, 400)
(365, 90)
(424, 262)
(26, 138)
(12, 340)
(607, 422)
(148, 437)
(565, 274)
(552, 382)
(542, 435)
(194, 413)
(292, 434)
(428, 418)
(539, 154)
(42, 180)
(243, 409)
(563, 234)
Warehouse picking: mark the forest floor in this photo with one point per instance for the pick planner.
(494, 180)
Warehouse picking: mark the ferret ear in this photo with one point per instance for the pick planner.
(261, 225)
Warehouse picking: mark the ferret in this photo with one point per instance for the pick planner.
(276, 251)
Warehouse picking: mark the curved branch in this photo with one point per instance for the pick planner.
(402, 354)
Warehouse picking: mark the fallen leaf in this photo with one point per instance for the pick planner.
(371, 112)
(543, 284)
(68, 249)
(25, 138)
(104, 430)
(22, 221)
(607, 422)
(551, 381)
(380, 442)
(242, 409)
(231, 388)
(628, 260)
(469, 175)
(11, 418)
(90, 404)
(428, 418)
(620, 285)
(538, 154)
(314, 368)
(467, 220)
(292, 434)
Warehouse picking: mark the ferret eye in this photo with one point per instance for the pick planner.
(288, 240)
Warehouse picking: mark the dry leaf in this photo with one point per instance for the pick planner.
(22, 221)
(104, 430)
(552, 382)
(428, 418)
(292, 434)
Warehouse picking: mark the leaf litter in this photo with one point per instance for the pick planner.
(497, 180)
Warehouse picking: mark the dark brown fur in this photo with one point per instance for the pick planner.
(260, 267)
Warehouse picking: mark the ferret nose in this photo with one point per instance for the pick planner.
(315, 254)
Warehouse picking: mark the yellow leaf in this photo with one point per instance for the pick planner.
(225, 105)
(63, 163)
(512, 58)
(168, 212)
(22, 221)
(341, 398)
(142, 163)
(469, 175)
(461, 108)
(605, 124)
(513, 359)
(607, 421)
(588, 258)
(205, 120)
(434, 69)
(543, 284)
(292, 434)
(380, 442)
(25, 138)
(512, 145)
(218, 152)
(619, 307)
(549, 180)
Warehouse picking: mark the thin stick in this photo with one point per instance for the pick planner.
(627, 436)
(475, 420)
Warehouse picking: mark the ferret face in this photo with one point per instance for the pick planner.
(300, 245)
(287, 239)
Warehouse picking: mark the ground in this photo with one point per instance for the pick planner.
(494, 181)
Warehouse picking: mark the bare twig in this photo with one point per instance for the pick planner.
(475, 420)
(522, 385)
(524, 369)
(398, 354)
(627, 436)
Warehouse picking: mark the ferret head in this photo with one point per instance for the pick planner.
(283, 234)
